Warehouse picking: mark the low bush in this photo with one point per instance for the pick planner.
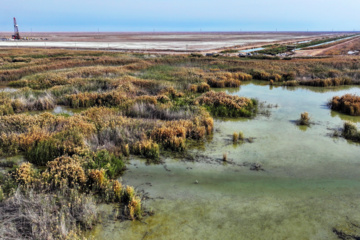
(348, 104)
(172, 138)
(199, 88)
(85, 100)
(147, 148)
(41, 81)
(291, 83)
(304, 119)
(223, 105)
(68, 142)
(102, 159)
(241, 136)
(351, 132)
(64, 171)
(235, 137)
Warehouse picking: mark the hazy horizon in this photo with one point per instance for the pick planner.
(176, 16)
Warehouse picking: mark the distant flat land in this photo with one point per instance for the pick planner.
(159, 41)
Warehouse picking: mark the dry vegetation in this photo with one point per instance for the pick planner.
(342, 49)
(351, 132)
(304, 119)
(73, 161)
(348, 104)
(132, 104)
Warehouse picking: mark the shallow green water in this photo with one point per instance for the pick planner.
(310, 183)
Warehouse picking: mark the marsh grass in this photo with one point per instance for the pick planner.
(136, 104)
(348, 104)
(235, 137)
(351, 132)
(304, 119)
(224, 105)
(328, 82)
(225, 157)
(241, 136)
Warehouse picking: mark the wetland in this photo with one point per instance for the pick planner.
(146, 146)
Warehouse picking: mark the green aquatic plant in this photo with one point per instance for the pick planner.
(1, 194)
(68, 142)
(113, 165)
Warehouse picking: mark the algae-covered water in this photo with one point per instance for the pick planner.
(309, 185)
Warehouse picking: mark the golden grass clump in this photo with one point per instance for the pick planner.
(171, 92)
(83, 100)
(276, 77)
(224, 157)
(242, 76)
(117, 188)
(241, 136)
(172, 137)
(199, 88)
(226, 79)
(146, 148)
(235, 137)
(134, 206)
(64, 171)
(25, 175)
(328, 82)
(41, 81)
(304, 119)
(222, 104)
(98, 178)
(348, 104)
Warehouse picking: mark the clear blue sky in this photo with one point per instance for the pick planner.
(184, 15)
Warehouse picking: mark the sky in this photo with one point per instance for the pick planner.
(176, 15)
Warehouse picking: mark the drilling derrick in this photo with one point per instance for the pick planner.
(16, 31)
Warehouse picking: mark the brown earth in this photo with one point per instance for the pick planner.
(176, 42)
(340, 48)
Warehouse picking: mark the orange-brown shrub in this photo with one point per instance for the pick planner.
(222, 104)
(172, 137)
(348, 104)
(86, 99)
(199, 88)
(328, 82)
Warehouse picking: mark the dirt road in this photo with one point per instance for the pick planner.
(320, 51)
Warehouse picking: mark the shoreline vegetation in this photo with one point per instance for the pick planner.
(132, 105)
(348, 104)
